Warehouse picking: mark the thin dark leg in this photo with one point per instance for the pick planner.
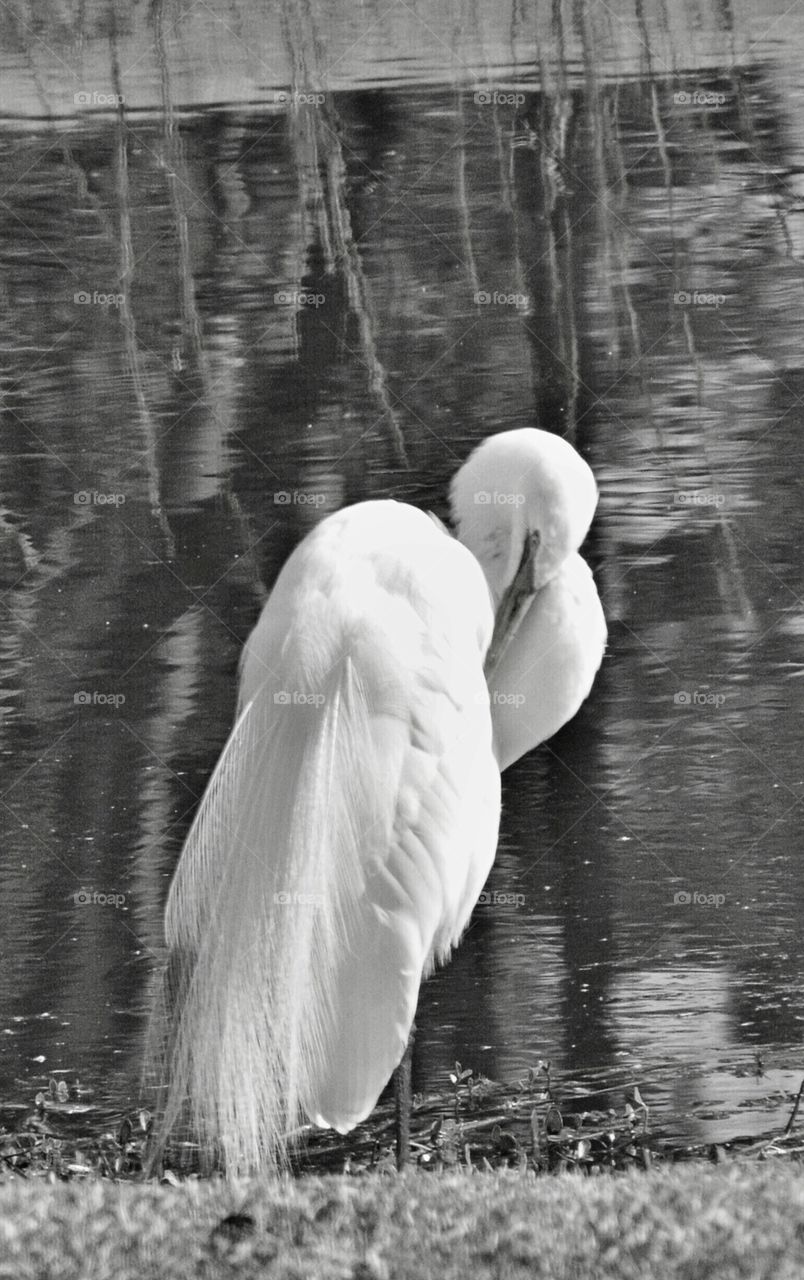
(403, 1097)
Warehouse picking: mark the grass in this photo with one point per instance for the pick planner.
(687, 1223)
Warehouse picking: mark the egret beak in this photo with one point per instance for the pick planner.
(441, 525)
(514, 605)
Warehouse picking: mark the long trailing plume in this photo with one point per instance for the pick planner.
(255, 921)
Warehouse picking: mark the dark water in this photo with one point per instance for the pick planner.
(219, 323)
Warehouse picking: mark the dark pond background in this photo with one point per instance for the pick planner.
(253, 267)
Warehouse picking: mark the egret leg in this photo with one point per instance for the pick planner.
(403, 1098)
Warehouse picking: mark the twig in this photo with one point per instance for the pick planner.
(789, 1125)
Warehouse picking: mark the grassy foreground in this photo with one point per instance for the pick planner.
(692, 1222)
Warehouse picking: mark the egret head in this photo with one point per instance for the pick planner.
(523, 504)
(523, 495)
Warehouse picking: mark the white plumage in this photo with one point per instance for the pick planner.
(352, 819)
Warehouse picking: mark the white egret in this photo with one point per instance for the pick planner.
(352, 819)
